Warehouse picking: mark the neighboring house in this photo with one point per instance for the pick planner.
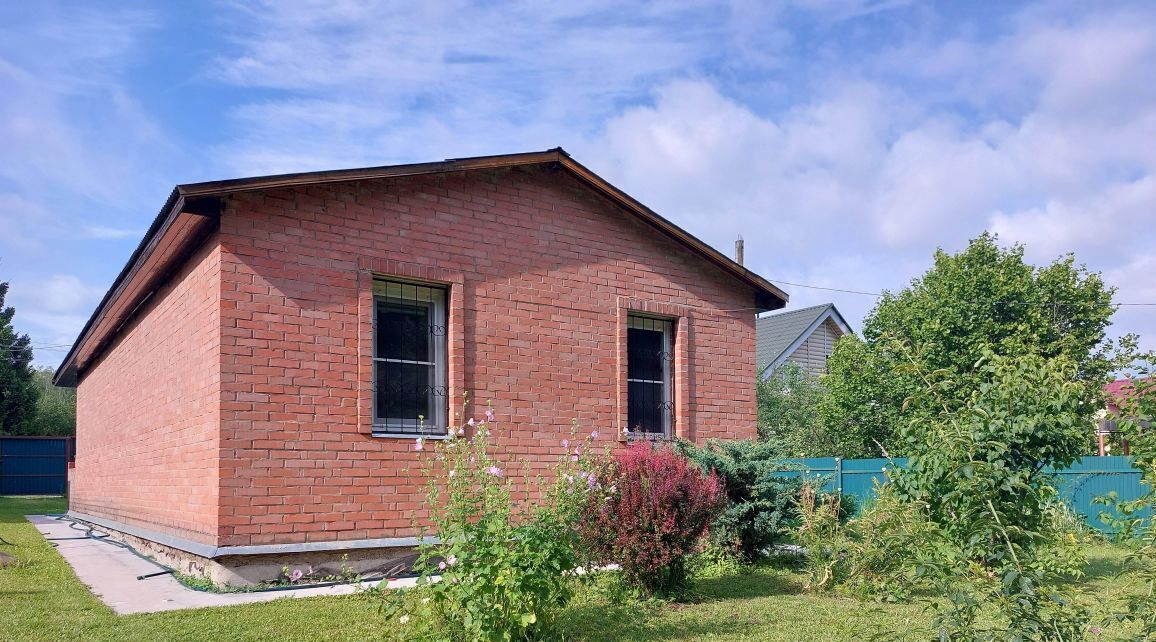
(250, 386)
(806, 336)
(1116, 392)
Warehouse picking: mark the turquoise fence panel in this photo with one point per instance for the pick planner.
(1078, 485)
(1081, 483)
(861, 475)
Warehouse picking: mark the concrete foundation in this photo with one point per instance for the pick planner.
(249, 566)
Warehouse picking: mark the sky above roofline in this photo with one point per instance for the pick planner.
(845, 140)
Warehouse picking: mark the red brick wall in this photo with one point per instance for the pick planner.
(541, 271)
(148, 412)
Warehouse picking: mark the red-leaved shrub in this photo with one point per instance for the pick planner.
(656, 512)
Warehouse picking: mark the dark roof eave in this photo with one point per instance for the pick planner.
(66, 374)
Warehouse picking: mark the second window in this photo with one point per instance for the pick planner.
(650, 360)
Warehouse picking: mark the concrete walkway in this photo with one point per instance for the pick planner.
(111, 573)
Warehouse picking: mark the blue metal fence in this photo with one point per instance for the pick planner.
(34, 465)
(1079, 485)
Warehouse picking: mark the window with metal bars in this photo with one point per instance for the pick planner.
(410, 395)
(650, 357)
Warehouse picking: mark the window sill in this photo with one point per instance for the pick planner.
(403, 435)
(648, 436)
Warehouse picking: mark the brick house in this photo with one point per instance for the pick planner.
(250, 386)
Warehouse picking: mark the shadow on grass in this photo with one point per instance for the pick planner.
(595, 619)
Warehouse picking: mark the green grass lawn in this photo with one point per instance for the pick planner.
(41, 599)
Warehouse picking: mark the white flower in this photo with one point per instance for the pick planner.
(453, 473)
(425, 600)
(403, 619)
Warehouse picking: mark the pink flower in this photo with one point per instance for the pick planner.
(594, 435)
(495, 471)
(441, 566)
(452, 559)
(573, 457)
(471, 422)
(295, 575)
(419, 444)
(591, 482)
(566, 444)
(489, 414)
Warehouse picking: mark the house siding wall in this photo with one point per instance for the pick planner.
(813, 352)
(542, 273)
(148, 412)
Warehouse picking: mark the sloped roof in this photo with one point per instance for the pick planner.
(779, 334)
(192, 210)
(1122, 388)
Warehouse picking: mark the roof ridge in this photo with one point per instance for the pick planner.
(778, 313)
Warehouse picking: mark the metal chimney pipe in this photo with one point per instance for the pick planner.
(739, 250)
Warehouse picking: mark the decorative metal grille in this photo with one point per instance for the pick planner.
(650, 360)
(410, 395)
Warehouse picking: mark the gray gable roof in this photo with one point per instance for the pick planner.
(776, 334)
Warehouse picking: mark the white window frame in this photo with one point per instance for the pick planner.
(436, 426)
(643, 322)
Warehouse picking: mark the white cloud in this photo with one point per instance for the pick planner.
(66, 293)
(842, 142)
(854, 188)
(103, 232)
(78, 161)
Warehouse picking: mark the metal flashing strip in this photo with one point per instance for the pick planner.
(214, 552)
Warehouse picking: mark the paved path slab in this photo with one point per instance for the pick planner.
(111, 572)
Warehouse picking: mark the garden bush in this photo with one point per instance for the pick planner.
(656, 513)
(972, 518)
(505, 567)
(875, 555)
(761, 505)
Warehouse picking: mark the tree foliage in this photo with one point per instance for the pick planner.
(18, 392)
(55, 407)
(788, 413)
(987, 463)
(984, 297)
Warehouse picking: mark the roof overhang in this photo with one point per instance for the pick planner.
(193, 210)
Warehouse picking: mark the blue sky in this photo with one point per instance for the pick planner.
(843, 139)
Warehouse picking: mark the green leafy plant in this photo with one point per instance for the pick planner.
(500, 570)
(872, 556)
(980, 471)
